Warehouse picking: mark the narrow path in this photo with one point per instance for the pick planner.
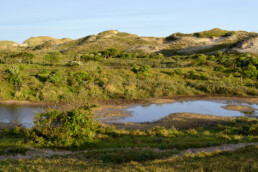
(224, 147)
(36, 152)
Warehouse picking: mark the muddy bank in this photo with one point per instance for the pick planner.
(180, 121)
(123, 102)
(7, 125)
(238, 108)
(26, 103)
(113, 110)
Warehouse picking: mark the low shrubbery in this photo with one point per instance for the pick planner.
(64, 129)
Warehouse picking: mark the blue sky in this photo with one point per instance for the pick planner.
(20, 20)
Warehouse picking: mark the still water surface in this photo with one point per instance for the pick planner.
(154, 112)
(12, 114)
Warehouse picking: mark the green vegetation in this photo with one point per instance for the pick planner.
(77, 129)
(35, 41)
(112, 74)
(214, 32)
(115, 66)
(205, 34)
(64, 129)
(244, 159)
(111, 149)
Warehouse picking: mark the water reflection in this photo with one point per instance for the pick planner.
(153, 112)
(15, 114)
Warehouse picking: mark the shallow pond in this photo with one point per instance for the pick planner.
(154, 112)
(14, 114)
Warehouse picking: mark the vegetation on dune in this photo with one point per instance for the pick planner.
(198, 42)
(205, 34)
(213, 33)
(36, 41)
(115, 65)
(8, 43)
(112, 74)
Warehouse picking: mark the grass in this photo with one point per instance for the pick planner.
(35, 41)
(244, 159)
(153, 149)
(14, 151)
(214, 32)
(236, 131)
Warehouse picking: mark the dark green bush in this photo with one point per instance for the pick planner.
(52, 57)
(55, 77)
(64, 129)
(251, 72)
(141, 69)
(214, 32)
(219, 68)
(15, 77)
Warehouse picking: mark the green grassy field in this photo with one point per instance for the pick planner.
(244, 159)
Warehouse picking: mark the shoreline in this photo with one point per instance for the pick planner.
(126, 102)
(116, 109)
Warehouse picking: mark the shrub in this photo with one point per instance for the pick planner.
(204, 76)
(192, 74)
(52, 57)
(201, 59)
(211, 57)
(219, 68)
(24, 57)
(109, 53)
(55, 76)
(91, 57)
(192, 132)
(251, 72)
(214, 32)
(64, 129)
(80, 77)
(125, 55)
(15, 77)
(142, 69)
(163, 132)
(73, 63)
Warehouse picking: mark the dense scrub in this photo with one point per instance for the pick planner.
(110, 74)
(64, 129)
